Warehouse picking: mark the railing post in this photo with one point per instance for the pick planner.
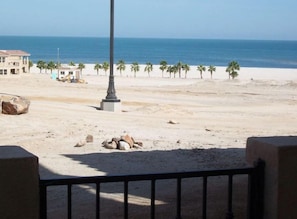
(98, 188)
(69, 201)
(229, 214)
(256, 191)
(153, 198)
(43, 201)
(204, 198)
(126, 204)
(178, 199)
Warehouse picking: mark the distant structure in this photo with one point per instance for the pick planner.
(68, 71)
(14, 62)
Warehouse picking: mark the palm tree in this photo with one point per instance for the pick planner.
(97, 67)
(121, 66)
(71, 63)
(134, 68)
(211, 69)
(186, 68)
(179, 66)
(163, 66)
(172, 69)
(148, 68)
(30, 65)
(175, 69)
(169, 70)
(105, 66)
(228, 69)
(51, 65)
(81, 66)
(232, 69)
(41, 65)
(201, 68)
(45, 67)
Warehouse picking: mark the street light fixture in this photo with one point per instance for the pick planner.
(111, 102)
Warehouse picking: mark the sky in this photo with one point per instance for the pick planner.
(198, 19)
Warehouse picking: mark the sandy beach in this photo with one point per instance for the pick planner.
(214, 118)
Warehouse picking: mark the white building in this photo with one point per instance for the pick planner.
(13, 62)
(71, 72)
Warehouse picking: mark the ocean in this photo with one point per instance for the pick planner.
(248, 53)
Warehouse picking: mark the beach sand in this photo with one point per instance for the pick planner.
(214, 119)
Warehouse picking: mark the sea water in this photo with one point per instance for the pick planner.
(248, 53)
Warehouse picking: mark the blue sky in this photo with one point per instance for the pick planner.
(206, 19)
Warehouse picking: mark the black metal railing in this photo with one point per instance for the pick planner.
(255, 189)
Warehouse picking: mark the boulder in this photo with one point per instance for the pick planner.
(128, 139)
(89, 139)
(124, 145)
(15, 106)
(139, 143)
(0, 104)
(80, 144)
(110, 145)
(137, 146)
(116, 140)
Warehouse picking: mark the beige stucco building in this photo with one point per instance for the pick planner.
(13, 62)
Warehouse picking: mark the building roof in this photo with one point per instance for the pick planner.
(67, 67)
(13, 53)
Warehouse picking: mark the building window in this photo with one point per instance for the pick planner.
(62, 72)
(1, 72)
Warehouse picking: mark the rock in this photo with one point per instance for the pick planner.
(110, 145)
(125, 142)
(124, 145)
(128, 139)
(0, 104)
(172, 122)
(89, 139)
(116, 140)
(15, 106)
(80, 144)
(137, 146)
(138, 143)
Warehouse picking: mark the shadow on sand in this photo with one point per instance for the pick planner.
(141, 162)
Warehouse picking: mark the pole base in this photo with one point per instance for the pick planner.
(111, 105)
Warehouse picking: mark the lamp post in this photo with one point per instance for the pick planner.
(111, 102)
(58, 62)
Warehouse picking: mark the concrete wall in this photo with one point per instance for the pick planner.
(19, 184)
(280, 156)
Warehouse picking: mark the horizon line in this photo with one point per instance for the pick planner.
(139, 37)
